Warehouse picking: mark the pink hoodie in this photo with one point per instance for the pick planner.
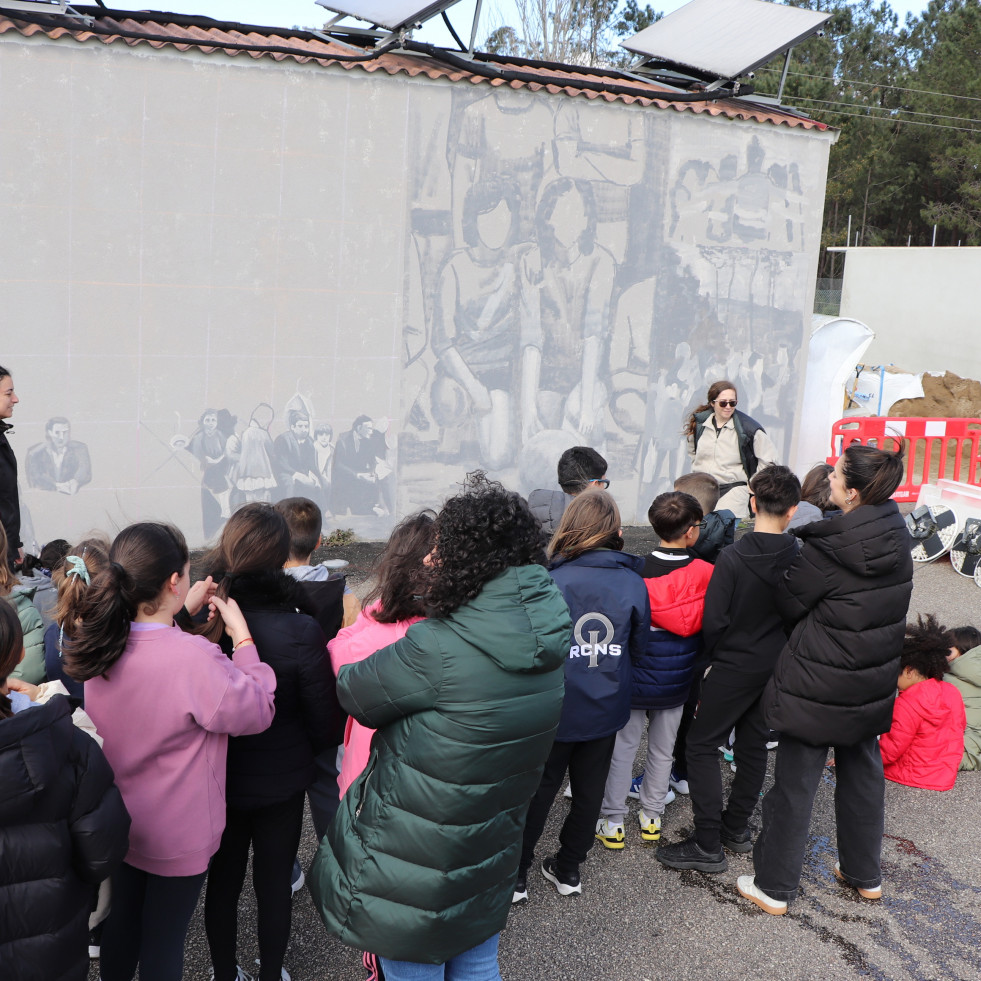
(355, 643)
(165, 711)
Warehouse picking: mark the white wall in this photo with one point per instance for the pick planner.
(922, 303)
(186, 231)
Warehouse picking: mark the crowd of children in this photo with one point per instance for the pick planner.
(216, 708)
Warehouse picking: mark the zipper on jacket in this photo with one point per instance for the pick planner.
(364, 788)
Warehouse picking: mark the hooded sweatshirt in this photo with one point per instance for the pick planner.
(964, 674)
(846, 594)
(365, 636)
(742, 629)
(419, 861)
(923, 748)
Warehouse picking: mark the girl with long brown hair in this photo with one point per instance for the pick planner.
(165, 703)
(610, 613)
(268, 773)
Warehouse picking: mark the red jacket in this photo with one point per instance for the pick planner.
(925, 743)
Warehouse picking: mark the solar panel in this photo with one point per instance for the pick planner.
(725, 38)
(390, 14)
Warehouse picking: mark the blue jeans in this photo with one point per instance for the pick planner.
(477, 964)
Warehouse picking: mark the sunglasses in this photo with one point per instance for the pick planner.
(602, 481)
(725, 403)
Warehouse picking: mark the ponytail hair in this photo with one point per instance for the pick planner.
(715, 390)
(874, 473)
(11, 646)
(141, 560)
(592, 520)
(7, 578)
(73, 575)
(256, 538)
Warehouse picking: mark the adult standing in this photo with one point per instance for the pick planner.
(419, 863)
(729, 445)
(847, 595)
(355, 476)
(9, 498)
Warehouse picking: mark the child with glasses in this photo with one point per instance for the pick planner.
(676, 583)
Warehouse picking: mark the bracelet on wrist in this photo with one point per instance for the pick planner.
(242, 643)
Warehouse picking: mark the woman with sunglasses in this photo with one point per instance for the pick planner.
(729, 445)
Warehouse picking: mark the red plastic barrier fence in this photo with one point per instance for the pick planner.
(935, 448)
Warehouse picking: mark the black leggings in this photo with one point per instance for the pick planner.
(274, 835)
(147, 925)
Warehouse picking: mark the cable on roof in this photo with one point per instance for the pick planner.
(510, 75)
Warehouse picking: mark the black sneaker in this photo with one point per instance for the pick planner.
(689, 854)
(566, 883)
(520, 889)
(741, 842)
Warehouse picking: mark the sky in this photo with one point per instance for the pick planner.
(306, 13)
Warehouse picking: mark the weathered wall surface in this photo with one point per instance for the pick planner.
(487, 275)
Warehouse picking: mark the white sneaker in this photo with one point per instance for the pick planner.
(669, 797)
(284, 975)
(679, 783)
(240, 975)
(568, 791)
(297, 884)
(610, 833)
(650, 827)
(746, 884)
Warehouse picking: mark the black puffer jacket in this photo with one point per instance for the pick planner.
(63, 829)
(846, 596)
(272, 766)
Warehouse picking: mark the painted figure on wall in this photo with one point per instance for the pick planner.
(360, 471)
(252, 475)
(208, 446)
(60, 463)
(296, 460)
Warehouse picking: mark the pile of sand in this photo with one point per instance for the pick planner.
(946, 396)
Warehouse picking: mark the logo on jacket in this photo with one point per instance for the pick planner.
(593, 647)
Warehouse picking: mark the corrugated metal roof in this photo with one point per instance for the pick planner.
(187, 33)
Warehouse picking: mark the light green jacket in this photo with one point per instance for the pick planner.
(965, 676)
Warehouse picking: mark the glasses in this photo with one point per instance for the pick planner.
(602, 481)
(725, 403)
(700, 525)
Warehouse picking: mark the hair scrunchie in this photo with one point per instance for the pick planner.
(78, 568)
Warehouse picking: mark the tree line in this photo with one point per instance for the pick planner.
(906, 99)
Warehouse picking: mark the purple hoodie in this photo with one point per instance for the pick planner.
(165, 710)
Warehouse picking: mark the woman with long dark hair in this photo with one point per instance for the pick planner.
(847, 595)
(419, 863)
(729, 445)
(165, 702)
(268, 772)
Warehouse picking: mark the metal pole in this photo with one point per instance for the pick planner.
(934, 242)
(476, 20)
(783, 74)
(848, 237)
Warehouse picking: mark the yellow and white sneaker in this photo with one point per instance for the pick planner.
(610, 833)
(650, 828)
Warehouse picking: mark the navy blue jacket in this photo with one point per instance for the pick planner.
(611, 618)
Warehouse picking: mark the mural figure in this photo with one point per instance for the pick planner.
(296, 460)
(60, 463)
(323, 447)
(359, 472)
(252, 476)
(477, 321)
(208, 445)
(566, 353)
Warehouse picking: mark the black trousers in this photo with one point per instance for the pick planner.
(147, 925)
(859, 814)
(680, 767)
(323, 793)
(725, 703)
(274, 834)
(588, 764)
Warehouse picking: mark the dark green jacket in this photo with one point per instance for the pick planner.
(419, 863)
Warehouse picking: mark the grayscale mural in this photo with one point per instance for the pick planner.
(576, 285)
(358, 286)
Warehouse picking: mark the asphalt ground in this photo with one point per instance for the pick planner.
(637, 921)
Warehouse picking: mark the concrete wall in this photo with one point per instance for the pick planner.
(489, 275)
(922, 304)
